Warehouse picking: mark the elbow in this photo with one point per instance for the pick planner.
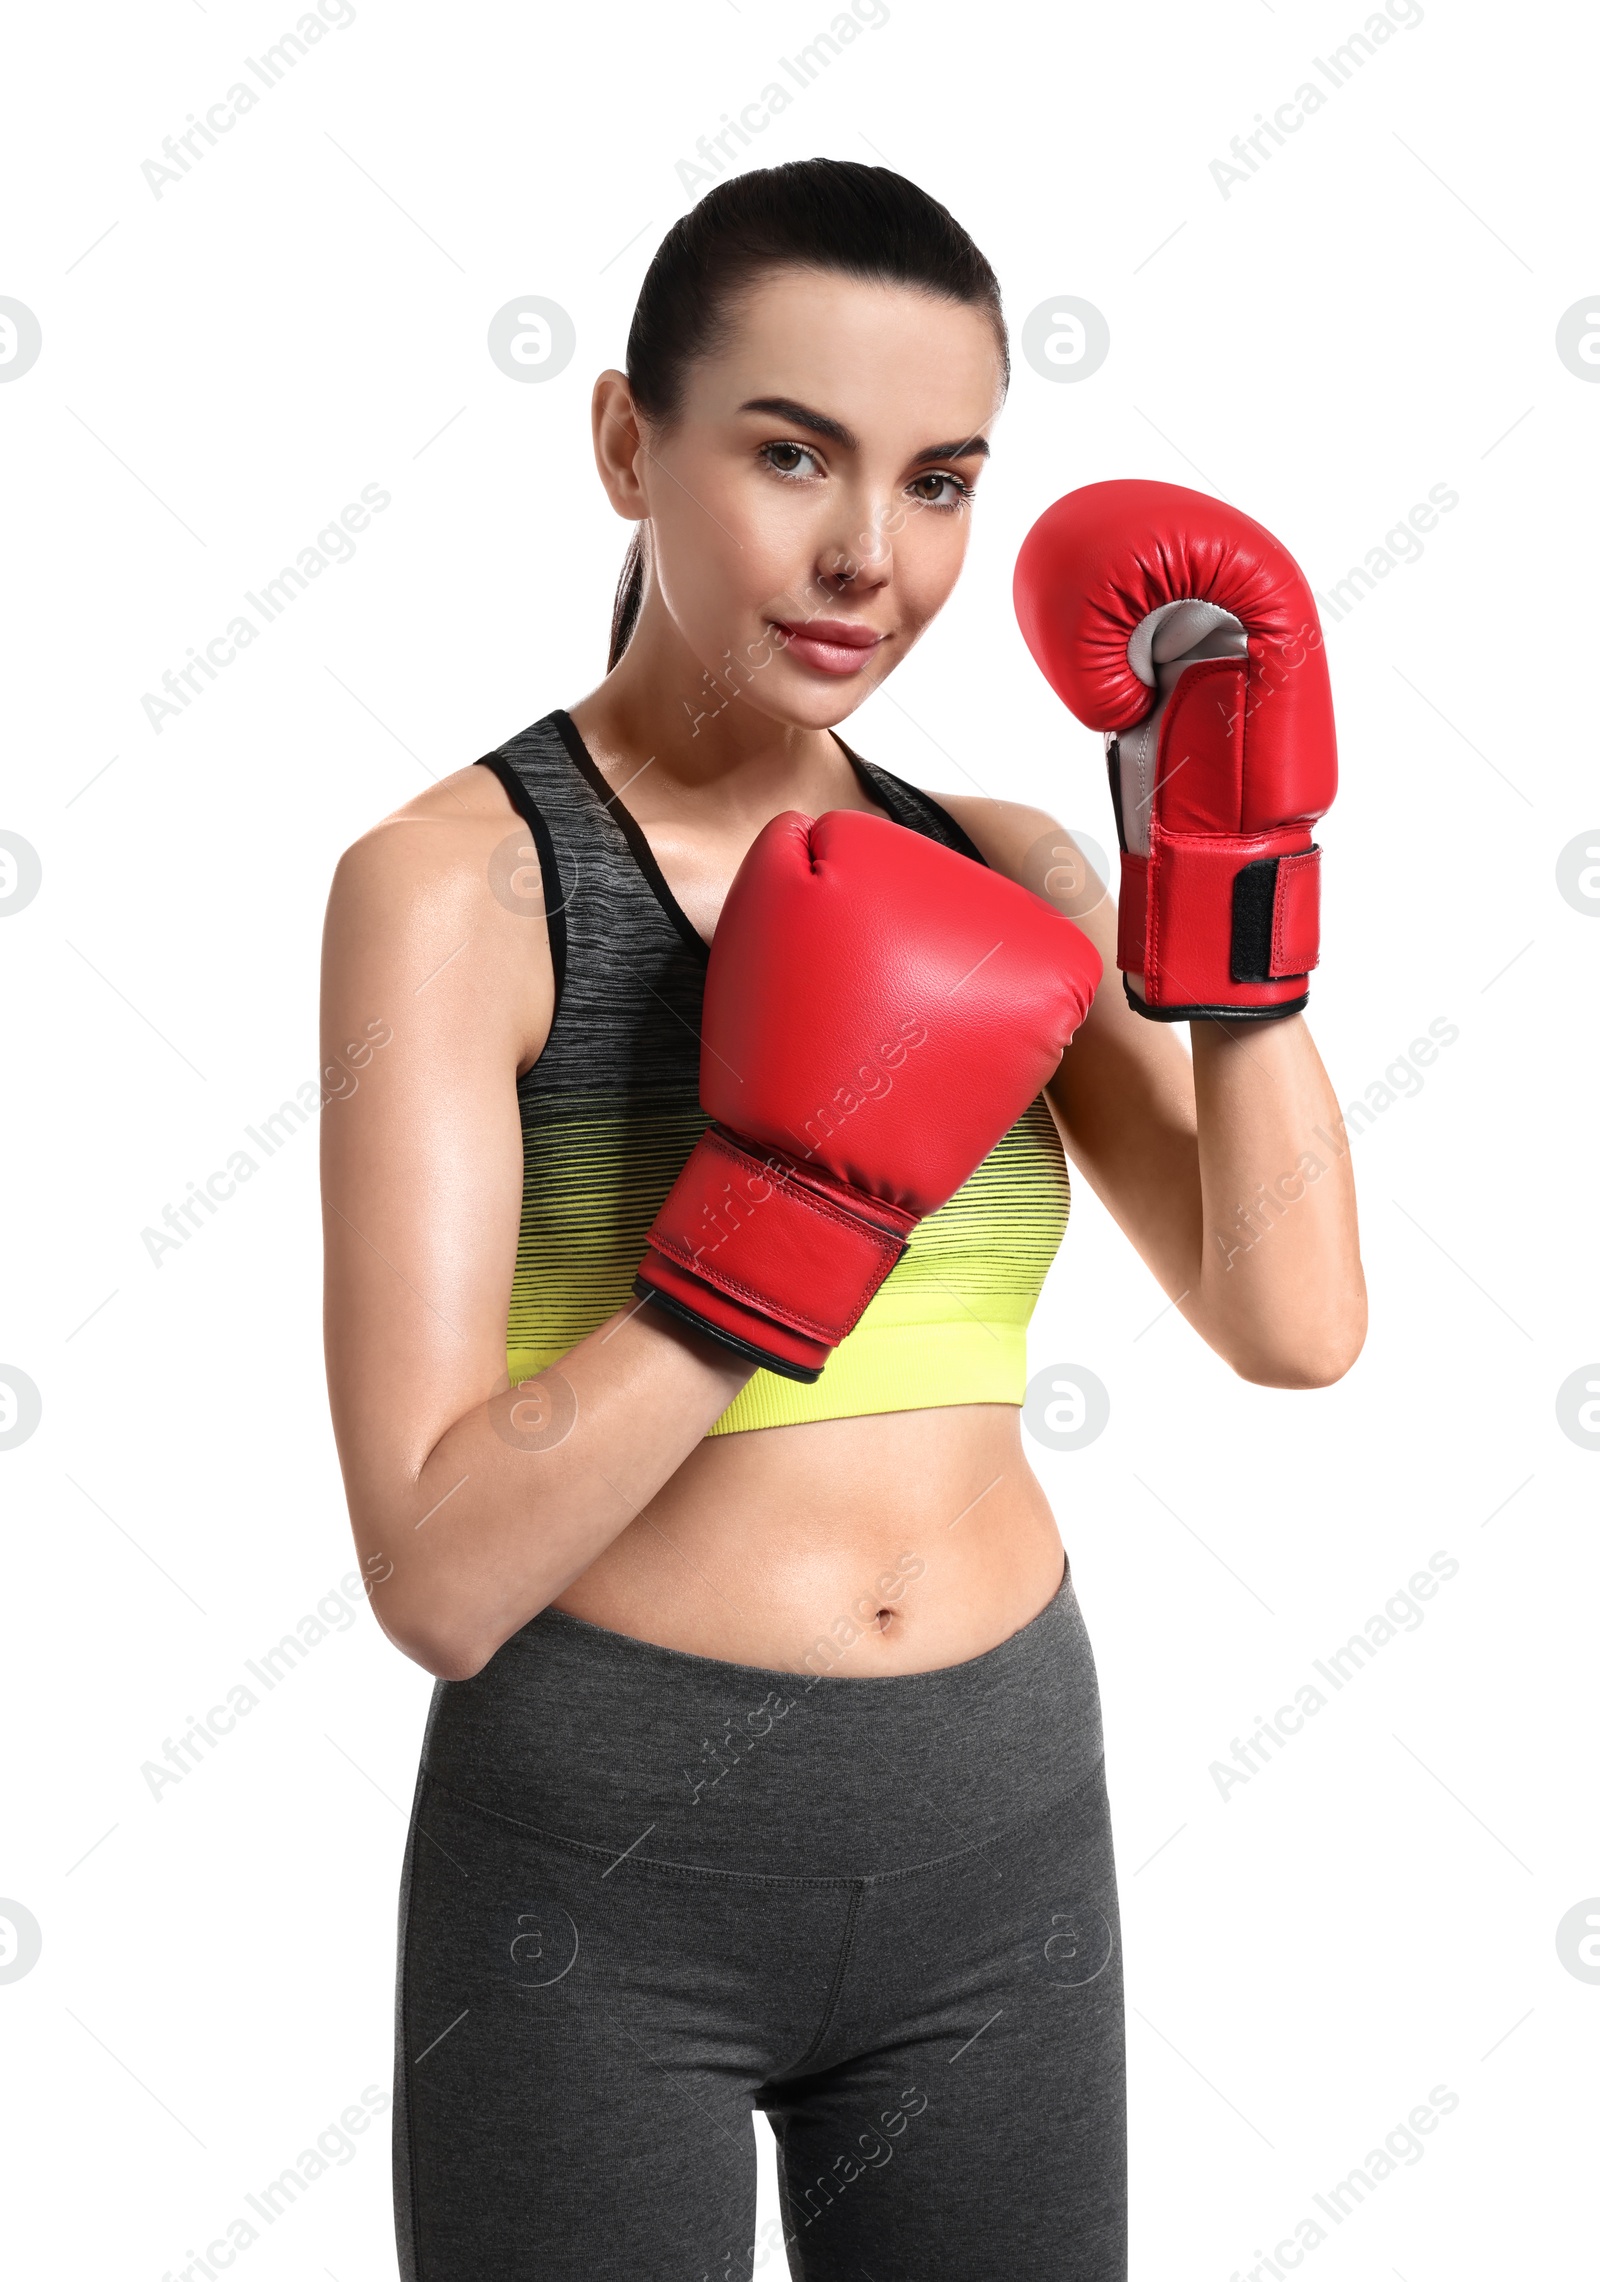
(444, 1651)
(447, 1652)
(447, 1660)
(451, 1645)
(1319, 1362)
(1296, 1372)
(1311, 1349)
(420, 1603)
(433, 1603)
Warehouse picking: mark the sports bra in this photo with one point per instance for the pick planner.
(611, 1109)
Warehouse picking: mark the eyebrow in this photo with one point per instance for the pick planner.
(822, 424)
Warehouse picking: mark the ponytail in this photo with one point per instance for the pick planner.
(630, 593)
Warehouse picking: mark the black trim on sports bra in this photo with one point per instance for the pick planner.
(905, 800)
(583, 760)
(906, 804)
(555, 894)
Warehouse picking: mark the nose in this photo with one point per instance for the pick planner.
(858, 556)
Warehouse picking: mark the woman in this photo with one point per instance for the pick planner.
(764, 1766)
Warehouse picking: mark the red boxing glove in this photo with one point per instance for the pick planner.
(1183, 630)
(878, 1011)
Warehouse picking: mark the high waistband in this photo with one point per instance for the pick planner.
(610, 1742)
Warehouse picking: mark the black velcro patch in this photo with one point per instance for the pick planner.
(1255, 890)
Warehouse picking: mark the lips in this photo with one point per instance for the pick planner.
(829, 645)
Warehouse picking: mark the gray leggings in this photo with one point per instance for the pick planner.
(645, 1893)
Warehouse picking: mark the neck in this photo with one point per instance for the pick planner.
(701, 735)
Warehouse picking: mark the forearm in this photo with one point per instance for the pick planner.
(521, 1494)
(1276, 1286)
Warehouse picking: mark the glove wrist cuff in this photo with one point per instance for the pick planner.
(775, 1257)
(1219, 924)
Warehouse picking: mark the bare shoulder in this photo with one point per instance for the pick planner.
(440, 838)
(449, 880)
(1032, 847)
(1015, 838)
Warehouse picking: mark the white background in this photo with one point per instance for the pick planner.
(1370, 314)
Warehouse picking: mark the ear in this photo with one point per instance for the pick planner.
(618, 444)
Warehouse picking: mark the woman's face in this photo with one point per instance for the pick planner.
(810, 506)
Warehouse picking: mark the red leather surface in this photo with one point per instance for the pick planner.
(881, 1007)
(1246, 760)
(1189, 923)
(1200, 765)
(753, 1326)
(802, 1257)
(1131, 915)
(1296, 920)
(878, 1011)
(1101, 559)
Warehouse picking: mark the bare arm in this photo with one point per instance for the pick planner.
(1227, 1173)
(473, 1505)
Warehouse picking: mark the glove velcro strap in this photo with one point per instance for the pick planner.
(1297, 914)
(1215, 922)
(787, 1242)
(1276, 902)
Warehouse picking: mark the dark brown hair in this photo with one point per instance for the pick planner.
(815, 213)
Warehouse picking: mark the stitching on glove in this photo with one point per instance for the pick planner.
(763, 1303)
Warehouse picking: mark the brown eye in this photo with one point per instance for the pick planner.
(948, 491)
(790, 459)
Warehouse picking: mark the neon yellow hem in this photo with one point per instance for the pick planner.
(894, 1360)
(892, 1366)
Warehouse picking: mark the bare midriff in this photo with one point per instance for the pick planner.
(848, 1547)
